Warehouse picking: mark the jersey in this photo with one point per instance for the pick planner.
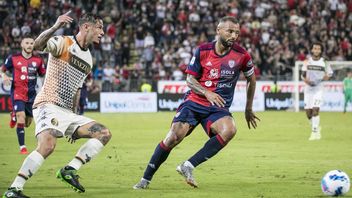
(347, 85)
(315, 72)
(68, 66)
(218, 73)
(24, 74)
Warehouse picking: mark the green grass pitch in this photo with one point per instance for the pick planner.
(274, 161)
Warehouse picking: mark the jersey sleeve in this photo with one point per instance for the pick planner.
(247, 66)
(194, 68)
(55, 46)
(304, 67)
(8, 66)
(41, 69)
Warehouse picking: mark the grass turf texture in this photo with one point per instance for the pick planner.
(275, 160)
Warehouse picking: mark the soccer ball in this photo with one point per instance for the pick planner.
(335, 183)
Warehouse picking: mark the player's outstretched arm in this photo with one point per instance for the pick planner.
(250, 116)
(40, 42)
(213, 98)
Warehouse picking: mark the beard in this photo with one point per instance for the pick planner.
(225, 43)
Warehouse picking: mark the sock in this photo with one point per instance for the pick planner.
(87, 151)
(160, 154)
(211, 147)
(20, 133)
(29, 167)
(315, 123)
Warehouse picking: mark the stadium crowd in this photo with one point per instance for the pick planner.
(154, 39)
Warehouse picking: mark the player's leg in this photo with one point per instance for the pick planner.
(12, 123)
(29, 114)
(221, 129)
(176, 134)
(19, 108)
(183, 124)
(46, 141)
(98, 136)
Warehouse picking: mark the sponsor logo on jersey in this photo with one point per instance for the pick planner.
(79, 64)
(19, 63)
(23, 77)
(214, 73)
(224, 85)
(227, 73)
(208, 83)
(34, 64)
(24, 69)
(249, 63)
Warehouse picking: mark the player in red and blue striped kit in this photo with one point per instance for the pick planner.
(24, 68)
(211, 75)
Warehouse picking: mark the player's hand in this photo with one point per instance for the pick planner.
(71, 139)
(214, 98)
(251, 118)
(6, 80)
(63, 20)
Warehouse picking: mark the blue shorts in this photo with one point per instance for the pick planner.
(194, 113)
(20, 105)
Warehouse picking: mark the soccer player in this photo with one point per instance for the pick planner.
(347, 89)
(24, 67)
(69, 63)
(212, 75)
(315, 70)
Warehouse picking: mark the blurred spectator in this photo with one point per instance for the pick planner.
(149, 39)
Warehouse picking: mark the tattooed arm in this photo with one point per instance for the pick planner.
(42, 39)
(76, 101)
(196, 87)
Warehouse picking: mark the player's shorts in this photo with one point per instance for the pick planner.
(313, 99)
(51, 116)
(20, 105)
(194, 113)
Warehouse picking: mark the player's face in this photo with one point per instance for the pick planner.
(316, 51)
(95, 32)
(27, 45)
(228, 33)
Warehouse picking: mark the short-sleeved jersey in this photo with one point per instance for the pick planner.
(24, 74)
(68, 66)
(316, 70)
(218, 73)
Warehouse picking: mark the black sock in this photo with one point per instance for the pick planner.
(159, 156)
(210, 148)
(69, 168)
(20, 134)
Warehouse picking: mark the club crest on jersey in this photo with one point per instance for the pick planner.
(208, 83)
(214, 73)
(231, 63)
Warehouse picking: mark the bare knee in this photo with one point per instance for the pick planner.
(315, 112)
(46, 144)
(228, 134)
(173, 139)
(176, 134)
